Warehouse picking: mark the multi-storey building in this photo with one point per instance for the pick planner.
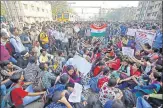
(149, 10)
(28, 11)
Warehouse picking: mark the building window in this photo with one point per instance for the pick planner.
(154, 14)
(32, 7)
(160, 4)
(25, 6)
(148, 14)
(38, 9)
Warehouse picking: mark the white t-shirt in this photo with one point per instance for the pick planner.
(64, 38)
(147, 68)
(56, 35)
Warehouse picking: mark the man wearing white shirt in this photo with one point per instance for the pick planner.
(64, 41)
(57, 35)
(69, 32)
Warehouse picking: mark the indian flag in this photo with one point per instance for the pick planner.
(98, 31)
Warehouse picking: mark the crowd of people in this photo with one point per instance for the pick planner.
(40, 55)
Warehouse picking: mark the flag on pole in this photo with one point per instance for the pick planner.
(98, 31)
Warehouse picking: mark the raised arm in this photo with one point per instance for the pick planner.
(137, 61)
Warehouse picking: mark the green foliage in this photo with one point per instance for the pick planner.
(61, 6)
(3, 10)
(121, 14)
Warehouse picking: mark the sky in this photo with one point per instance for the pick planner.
(87, 12)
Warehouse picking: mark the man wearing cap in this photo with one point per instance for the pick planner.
(4, 52)
(16, 41)
(25, 38)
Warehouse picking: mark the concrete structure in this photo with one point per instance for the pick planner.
(149, 10)
(28, 11)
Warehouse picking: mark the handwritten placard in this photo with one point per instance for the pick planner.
(128, 51)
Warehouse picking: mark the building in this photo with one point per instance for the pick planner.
(149, 10)
(28, 11)
(128, 13)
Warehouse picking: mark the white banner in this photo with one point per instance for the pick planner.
(131, 32)
(128, 51)
(75, 96)
(144, 36)
(81, 64)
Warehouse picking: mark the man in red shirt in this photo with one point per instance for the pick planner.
(17, 94)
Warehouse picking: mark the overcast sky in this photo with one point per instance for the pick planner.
(103, 4)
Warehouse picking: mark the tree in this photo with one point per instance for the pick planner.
(61, 6)
(121, 14)
(3, 10)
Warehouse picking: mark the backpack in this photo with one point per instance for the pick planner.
(129, 98)
(7, 98)
(10, 47)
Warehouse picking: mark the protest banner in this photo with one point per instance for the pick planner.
(144, 36)
(128, 51)
(81, 64)
(75, 96)
(131, 32)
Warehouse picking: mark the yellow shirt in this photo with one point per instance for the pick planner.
(44, 38)
(124, 41)
(43, 59)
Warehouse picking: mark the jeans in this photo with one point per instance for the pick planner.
(3, 90)
(58, 44)
(69, 42)
(13, 60)
(8, 83)
(27, 49)
(30, 99)
(65, 45)
(3, 93)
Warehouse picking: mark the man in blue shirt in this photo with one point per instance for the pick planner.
(16, 42)
(25, 38)
(123, 29)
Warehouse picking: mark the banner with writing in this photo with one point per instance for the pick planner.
(75, 96)
(144, 36)
(128, 51)
(81, 64)
(131, 32)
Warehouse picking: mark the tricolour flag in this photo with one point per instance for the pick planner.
(98, 31)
